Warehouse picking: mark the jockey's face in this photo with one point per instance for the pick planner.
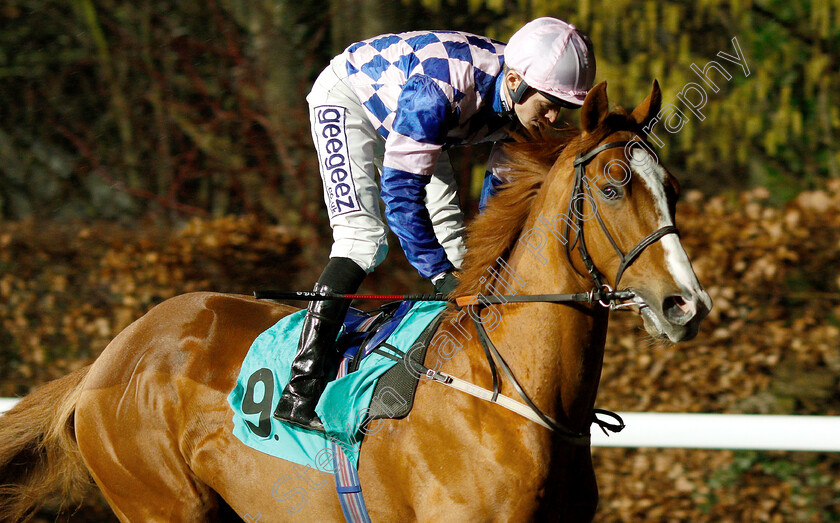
(534, 111)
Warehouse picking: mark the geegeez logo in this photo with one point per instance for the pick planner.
(339, 189)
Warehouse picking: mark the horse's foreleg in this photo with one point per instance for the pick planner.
(572, 495)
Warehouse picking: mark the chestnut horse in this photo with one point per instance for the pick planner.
(149, 422)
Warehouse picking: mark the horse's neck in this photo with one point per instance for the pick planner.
(554, 350)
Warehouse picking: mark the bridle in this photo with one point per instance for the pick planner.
(601, 294)
(576, 210)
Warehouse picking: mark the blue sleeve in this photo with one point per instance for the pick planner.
(421, 116)
(488, 189)
(403, 193)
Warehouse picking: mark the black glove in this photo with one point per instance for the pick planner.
(446, 284)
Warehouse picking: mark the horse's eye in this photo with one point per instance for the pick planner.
(611, 192)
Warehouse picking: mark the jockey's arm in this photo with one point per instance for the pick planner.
(412, 150)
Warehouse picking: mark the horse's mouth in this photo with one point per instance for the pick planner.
(659, 327)
(653, 323)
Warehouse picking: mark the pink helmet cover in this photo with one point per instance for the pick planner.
(554, 57)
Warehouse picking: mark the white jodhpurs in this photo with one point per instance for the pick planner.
(350, 153)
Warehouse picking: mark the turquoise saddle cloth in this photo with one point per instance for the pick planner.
(342, 407)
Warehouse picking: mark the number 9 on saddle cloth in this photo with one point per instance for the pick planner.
(371, 384)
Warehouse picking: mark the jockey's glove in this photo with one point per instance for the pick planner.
(445, 283)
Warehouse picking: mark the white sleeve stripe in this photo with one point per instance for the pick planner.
(406, 154)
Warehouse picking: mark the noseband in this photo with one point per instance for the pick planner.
(602, 294)
(576, 209)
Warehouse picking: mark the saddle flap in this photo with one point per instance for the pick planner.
(343, 406)
(393, 396)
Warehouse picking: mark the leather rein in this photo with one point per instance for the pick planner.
(600, 295)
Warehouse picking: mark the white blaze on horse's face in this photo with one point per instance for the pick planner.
(677, 316)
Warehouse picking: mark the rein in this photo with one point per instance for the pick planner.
(492, 354)
(601, 294)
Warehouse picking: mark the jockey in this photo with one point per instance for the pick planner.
(393, 104)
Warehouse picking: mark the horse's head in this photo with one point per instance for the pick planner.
(621, 214)
(602, 194)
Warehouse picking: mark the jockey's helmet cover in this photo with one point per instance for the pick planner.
(553, 57)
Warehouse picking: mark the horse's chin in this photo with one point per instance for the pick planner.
(658, 327)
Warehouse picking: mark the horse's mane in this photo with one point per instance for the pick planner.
(493, 233)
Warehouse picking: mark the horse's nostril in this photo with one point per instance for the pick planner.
(676, 300)
(678, 310)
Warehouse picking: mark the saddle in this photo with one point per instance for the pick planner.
(372, 381)
(365, 333)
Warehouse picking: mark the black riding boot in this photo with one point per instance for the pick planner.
(317, 342)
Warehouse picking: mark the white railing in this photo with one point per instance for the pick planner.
(707, 431)
(724, 431)
(7, 403)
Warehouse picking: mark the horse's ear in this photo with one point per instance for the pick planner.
(595, 108)
(649, 108)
